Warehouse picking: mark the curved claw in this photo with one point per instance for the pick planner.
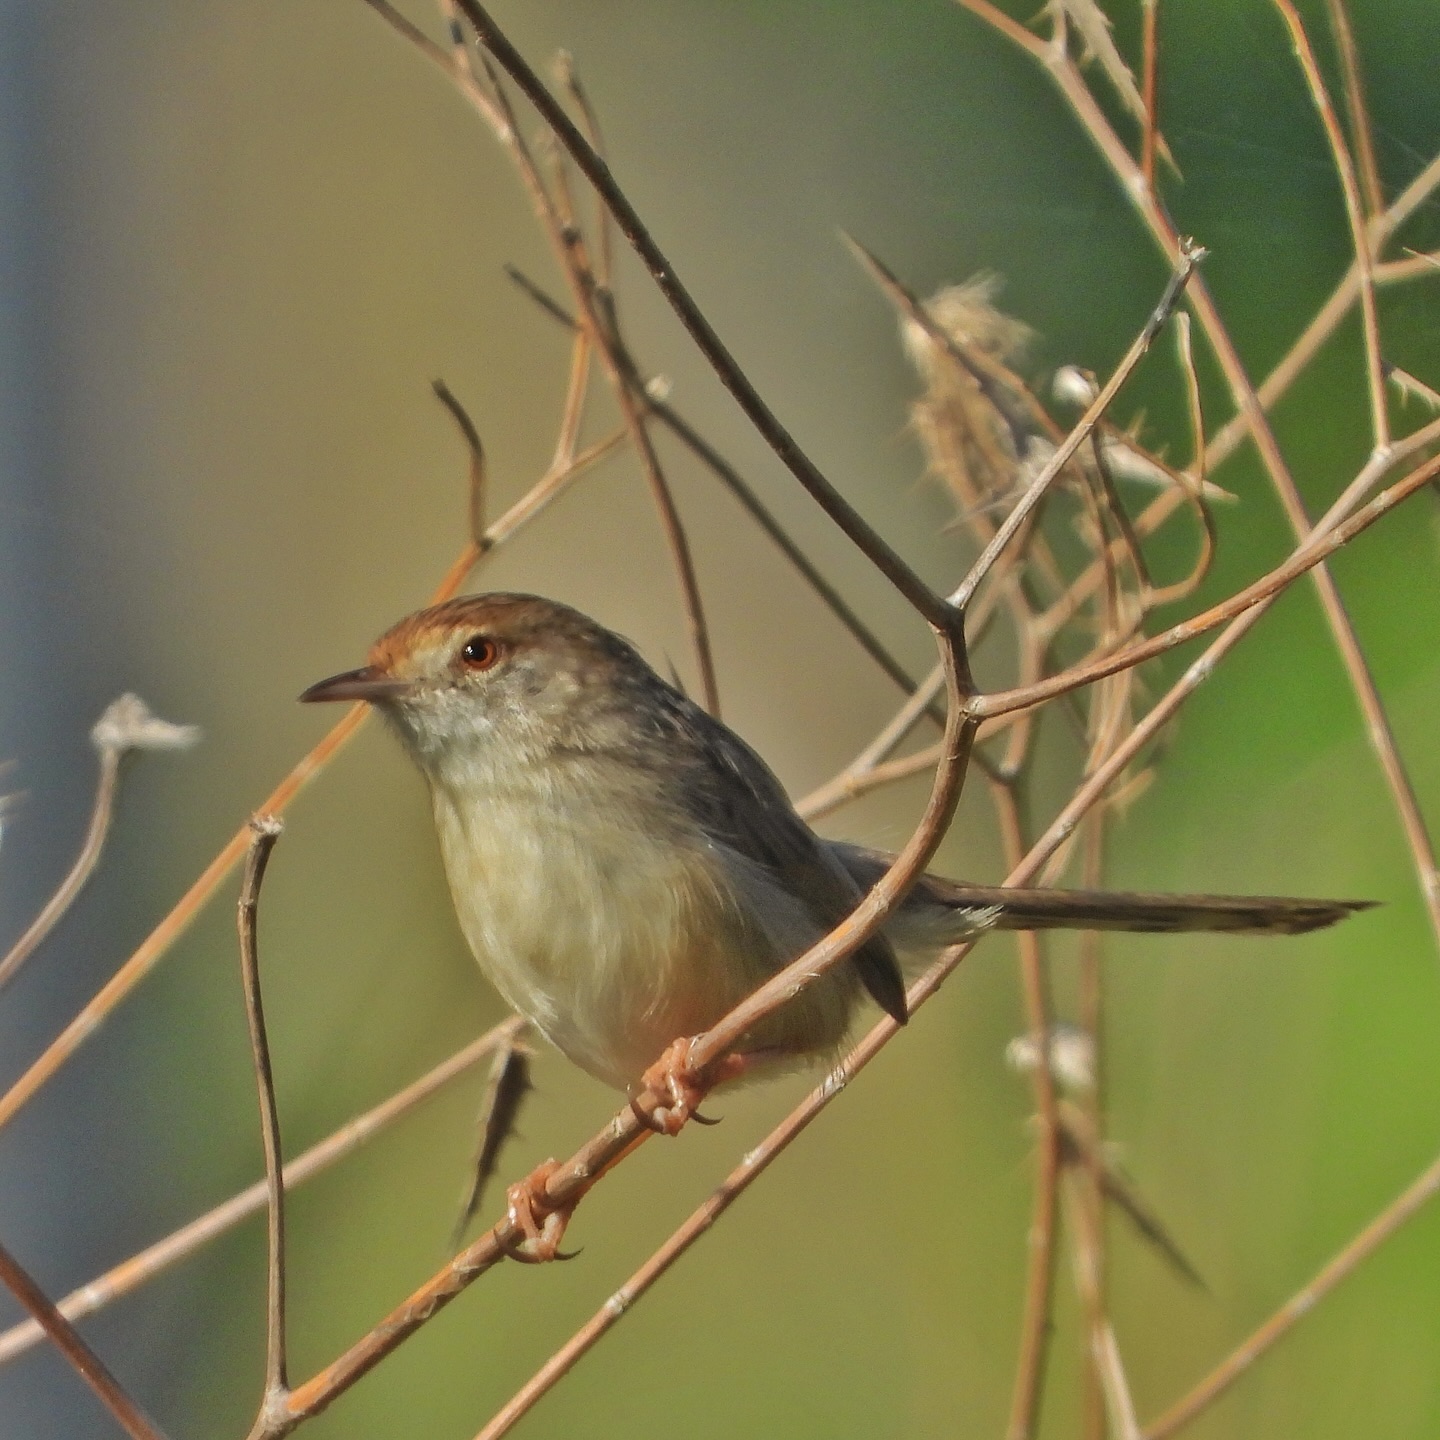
(540, 1223)
(681, 1089)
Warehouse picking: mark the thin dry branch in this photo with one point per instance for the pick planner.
(1149, 85)
(146, 1264)
(1356, 110)
(1035, 1326)
(1355, 212)
(930, 606)
(79, 874)
(1193, 477)
(1188, 256)
(265, 831)
(126, 725)
(82, 1358)
(1342, 1264)
(471, 436)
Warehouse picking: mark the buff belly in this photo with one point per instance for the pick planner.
(615, 941)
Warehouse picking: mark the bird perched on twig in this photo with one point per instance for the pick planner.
(626, 869)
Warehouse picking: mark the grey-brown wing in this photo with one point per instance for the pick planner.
(737, 800)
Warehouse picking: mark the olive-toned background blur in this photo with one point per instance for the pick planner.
(239, 240)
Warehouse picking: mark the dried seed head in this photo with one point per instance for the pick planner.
(966, 313)
(128, 724)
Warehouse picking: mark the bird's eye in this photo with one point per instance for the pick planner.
(480, 652)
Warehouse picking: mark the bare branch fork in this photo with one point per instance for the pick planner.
(1066, 75)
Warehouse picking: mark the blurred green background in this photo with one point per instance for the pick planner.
(240, 241)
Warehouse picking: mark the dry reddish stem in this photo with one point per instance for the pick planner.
(86, 1363)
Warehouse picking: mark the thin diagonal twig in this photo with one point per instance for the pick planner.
(1188, 257)
(885, 559)
(82, 1358)
(1344, 1263)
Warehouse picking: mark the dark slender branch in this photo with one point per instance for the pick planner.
(930, 605)
(471, 437)
(733, 481)
(265, 831)
(67, 1340)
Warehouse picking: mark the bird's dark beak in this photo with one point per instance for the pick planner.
(367, 683)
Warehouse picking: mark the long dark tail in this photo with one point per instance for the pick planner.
(1110, 909)
(1120, 910)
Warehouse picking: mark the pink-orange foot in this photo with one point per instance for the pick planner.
(679, 1088)
(537, 1218)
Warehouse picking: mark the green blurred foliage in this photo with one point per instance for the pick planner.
(267, 227)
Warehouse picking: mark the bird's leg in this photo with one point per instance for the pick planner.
(539, 1220)
(679, 1088)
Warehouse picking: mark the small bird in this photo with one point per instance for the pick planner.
(626, 869)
